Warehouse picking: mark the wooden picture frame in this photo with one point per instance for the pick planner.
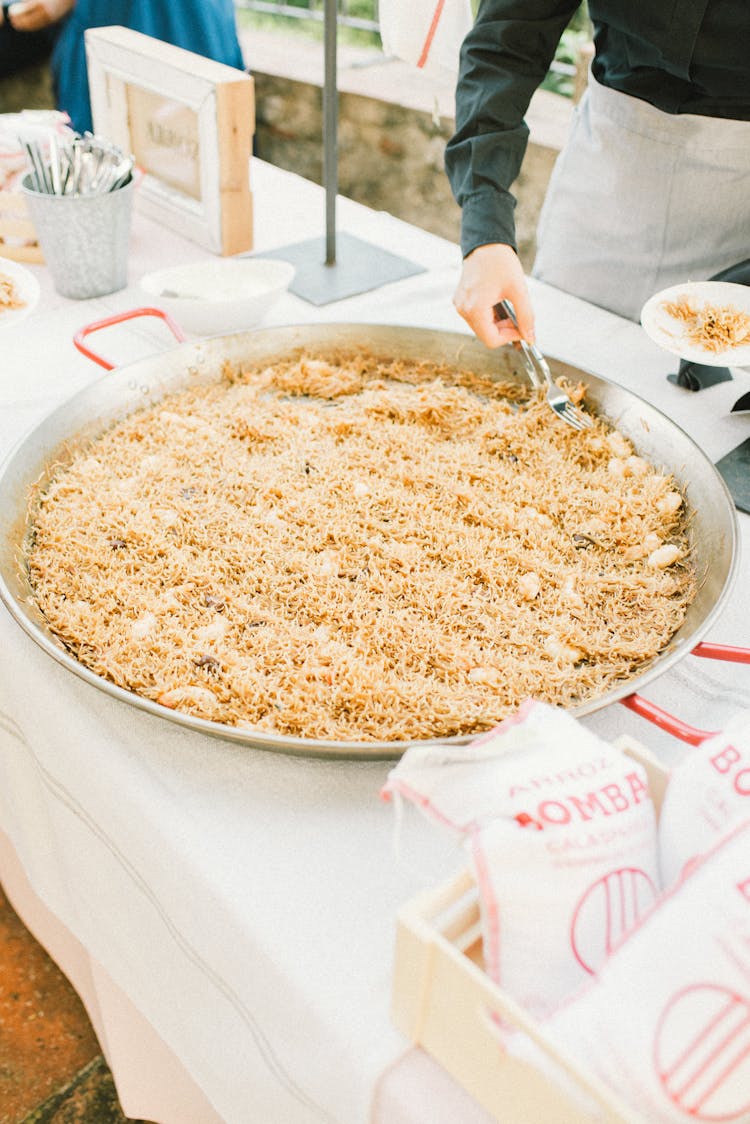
(189, 122)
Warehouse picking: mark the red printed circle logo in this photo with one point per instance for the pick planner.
(702, 1052)
(607, 912)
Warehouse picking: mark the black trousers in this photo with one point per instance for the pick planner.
(19, 49)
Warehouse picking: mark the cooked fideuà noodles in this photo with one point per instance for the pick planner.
(10, 298)
(349, 548)
(713, 327)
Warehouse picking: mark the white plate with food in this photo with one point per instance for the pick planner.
(703, 321)
(19, 292)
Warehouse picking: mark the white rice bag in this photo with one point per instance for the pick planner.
(666, 1024)
(561, 834)
(708, 792)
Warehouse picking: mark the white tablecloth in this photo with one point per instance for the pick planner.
(245, 902)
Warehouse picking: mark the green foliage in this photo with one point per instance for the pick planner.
(313, 28)
(580, 20)
(576, 34)
(362, 9)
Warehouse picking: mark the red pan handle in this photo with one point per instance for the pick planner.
(665, 721)
(81, 335)
(722, 652)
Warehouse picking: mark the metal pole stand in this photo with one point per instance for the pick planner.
(327, 272)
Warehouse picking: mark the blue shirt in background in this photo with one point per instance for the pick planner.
(206, 27)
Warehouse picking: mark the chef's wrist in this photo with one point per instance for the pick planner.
(487, 219)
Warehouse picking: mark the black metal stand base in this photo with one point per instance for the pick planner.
(359, 267)
(735, 470)
(699, 376)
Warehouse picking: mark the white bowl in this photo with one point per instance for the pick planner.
(218, 295)
(27, 288)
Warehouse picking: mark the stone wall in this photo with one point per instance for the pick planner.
(390, 156)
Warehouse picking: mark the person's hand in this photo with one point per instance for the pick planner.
(35, 15)
(490, 274)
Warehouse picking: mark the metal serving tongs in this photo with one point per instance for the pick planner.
(541, 376)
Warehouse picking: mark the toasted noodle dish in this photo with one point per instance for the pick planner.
(715, 328)
(353, 548)
(9, 295)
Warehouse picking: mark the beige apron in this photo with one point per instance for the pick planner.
(640, 199)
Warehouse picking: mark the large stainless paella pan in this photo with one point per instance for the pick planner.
(712, 526)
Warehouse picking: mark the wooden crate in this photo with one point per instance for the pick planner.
(17, 233)
(444, 1002)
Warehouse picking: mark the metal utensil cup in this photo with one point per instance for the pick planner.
(713, 522)
(84, 238)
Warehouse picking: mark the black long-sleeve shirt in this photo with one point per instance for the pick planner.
(682, 56)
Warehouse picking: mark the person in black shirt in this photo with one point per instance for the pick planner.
(653, 185)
